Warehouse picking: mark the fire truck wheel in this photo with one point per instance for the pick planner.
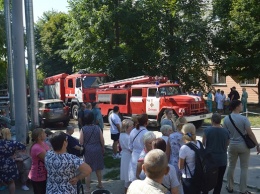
(75, 111)
(198, 124)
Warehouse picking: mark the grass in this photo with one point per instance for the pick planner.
(109, 161)
(112, 166)
(254, 120)
(112, 174)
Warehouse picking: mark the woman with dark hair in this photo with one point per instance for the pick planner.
(91, 138)
(64, 169)
(136, 144)
(38, 173)
(8, 168)
(237, 147)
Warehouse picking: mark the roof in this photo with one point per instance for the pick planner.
(153, 85)
(50, 100)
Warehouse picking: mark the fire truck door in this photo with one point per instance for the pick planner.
(152, 103)
(78, 90)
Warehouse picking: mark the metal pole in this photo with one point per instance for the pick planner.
(28, 4)
(21, 115)
(10, 73)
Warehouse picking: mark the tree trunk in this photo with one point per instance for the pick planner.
(258, 92)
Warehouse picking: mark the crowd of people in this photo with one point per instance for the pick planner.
(149, 164)
(221, 101)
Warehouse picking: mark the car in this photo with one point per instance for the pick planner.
(53, 111)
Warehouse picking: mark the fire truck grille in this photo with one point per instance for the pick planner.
(196, 108)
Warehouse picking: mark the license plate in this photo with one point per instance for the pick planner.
(202, 116)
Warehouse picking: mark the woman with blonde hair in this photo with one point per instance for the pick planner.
(187, 159)
(38, 173)
(136, 144)
(124, 138)
(8, 167)
(174, 143)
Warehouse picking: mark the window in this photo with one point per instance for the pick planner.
(152, 92)
(248, 82)
(136, 92)
(217, 78)
(70, 83)
(78, 82)
(119, 99)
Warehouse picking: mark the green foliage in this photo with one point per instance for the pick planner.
(3, 52)
(126, 39)
(238, 37)
(50, 44)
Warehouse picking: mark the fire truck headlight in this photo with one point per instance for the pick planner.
(181, 110)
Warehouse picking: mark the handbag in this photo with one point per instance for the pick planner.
(249, 142)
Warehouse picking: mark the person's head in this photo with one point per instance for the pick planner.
(233, 88)
(88, 118)
(6, 134)
(243, 89)
(235, 105)
(48, 132)
(148, 139)
(218, 90)
(180, 122)
(38, 135)
(59, 141)
(222, 92)
(116, 109)
(155, 164)
(70, 130)
(135, 120)
(189, 132)
(83, 106)
(95, 105)
(166, 130)
(142, 120)
(159, 143)
(169, 113)
(89, 106)
(216, 119)
(127, 126)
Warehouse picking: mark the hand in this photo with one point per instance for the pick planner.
(74, 180)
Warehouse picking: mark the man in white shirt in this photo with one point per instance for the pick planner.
(115, 126)
(155, 167)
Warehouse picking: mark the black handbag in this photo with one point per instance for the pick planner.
(249, 142)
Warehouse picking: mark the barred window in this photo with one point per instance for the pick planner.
(217, 78)
(248, 81)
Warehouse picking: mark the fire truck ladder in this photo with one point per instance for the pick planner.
(132, 80)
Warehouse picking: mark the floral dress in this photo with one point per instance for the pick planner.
(8, 168)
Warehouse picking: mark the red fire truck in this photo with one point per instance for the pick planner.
(73, 89)
(150, 95)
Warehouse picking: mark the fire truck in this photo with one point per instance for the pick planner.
(150, 95)
(73, 89)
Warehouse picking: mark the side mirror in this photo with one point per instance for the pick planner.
(157, 94)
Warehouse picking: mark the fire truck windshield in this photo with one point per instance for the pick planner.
(91, 82)
(169, 90)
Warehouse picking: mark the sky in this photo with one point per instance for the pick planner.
(40, 6)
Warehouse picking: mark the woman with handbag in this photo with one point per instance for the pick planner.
(241, 135)
(91, 138)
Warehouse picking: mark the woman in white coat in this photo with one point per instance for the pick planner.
(127, 126)
(136, 144)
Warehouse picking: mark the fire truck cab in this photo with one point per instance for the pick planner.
(152, 97)
(73, 89)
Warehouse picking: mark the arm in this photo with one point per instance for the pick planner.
(102, 141)
(181, 163)
(252, 136)
(168, 150)
(81, 137)
(118, 128)
(204, 139)
(84, 170)
(42, 155)
(139, 169)
(175, 190)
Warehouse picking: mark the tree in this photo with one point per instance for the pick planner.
(50, 44)
(237, 38)
(3, 51)
(151, 37)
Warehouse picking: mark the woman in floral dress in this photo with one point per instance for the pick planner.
(8, 168)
